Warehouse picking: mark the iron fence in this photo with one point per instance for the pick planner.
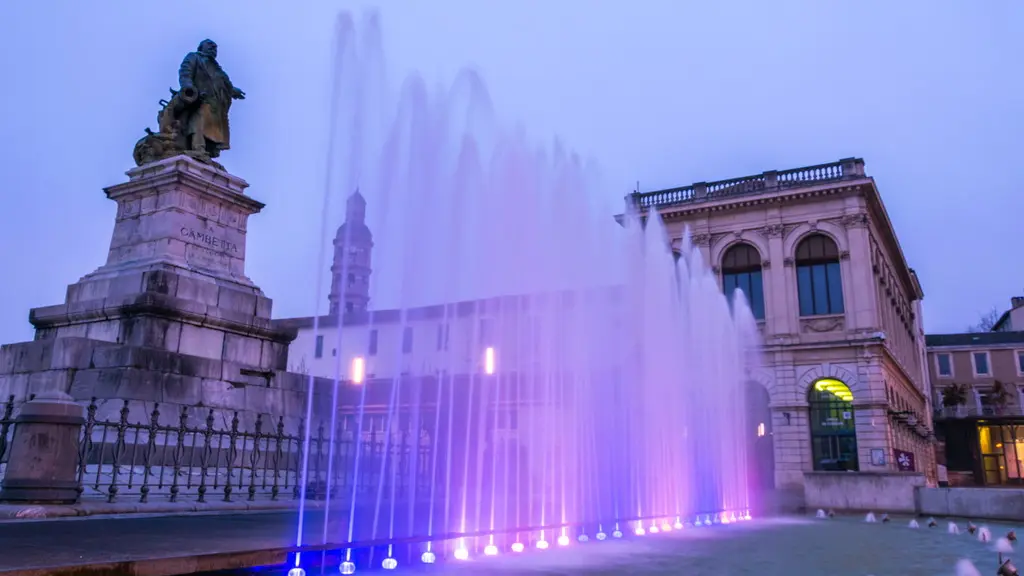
(142, 455)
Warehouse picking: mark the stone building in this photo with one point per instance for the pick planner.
(843, 385)
(978, 381)
(838, 307)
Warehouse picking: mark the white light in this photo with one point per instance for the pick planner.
(639, 531)
(653, 530)
(490, 550)
(489, 360)
(666, 527)
(563, 540)
(461, 553)
(542, 544)
(747, 517)
(428, 557)
(699, 522)
(389, 564)
(518, 547)
(679, 525)
(601, 536)
(760, 430)
(616, 534)
(583, 538)
(358, 370)
(296, 572)
(347, 568)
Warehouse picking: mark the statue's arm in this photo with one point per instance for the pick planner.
(186, 71)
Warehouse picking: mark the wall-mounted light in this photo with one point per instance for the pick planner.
(358, 370)
(760, 429)
(489, 360)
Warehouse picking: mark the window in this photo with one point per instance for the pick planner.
(944, 365)
(1020, 362)
(349, 307)
(833, 429)
(741, 268)
(485, 331)
(351, 279)
(819, 282)
(980, 361)
(319, 352)
(442, 336)
(407, 340)
(372, 348)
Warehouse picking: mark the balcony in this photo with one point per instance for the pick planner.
(771, 181)
(973, 410)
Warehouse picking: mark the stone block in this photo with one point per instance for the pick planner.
(236, 300)
(15, 385)
(160, 282)
(73, 353)
(243, 350)
(274, 355)
(264, 307)
(95, 383)
(202, 342)
(221, 394)
(182, 390)
(151, 331)
(197, 290)
(47, 381)
(107, 331)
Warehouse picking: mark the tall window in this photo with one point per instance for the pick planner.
(945, 365)
(407, 340)
(319, 351)
(741, 268)
(819, 283)
(442, 336)
(981, 367)
(372, 347)
(833, 432)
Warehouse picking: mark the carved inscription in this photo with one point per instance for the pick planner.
(208, 240)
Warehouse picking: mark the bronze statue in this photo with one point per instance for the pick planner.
(195, 120)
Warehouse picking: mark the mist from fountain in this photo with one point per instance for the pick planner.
(586, 381)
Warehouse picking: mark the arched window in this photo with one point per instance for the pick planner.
(741, 268)
(833, 431)
(818, 281)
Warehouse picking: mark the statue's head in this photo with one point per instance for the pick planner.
(208, 48)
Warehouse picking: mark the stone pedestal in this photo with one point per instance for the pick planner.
(43, 465)
(171, 316)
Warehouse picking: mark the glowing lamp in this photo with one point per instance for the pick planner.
(563, 540)
(518, 547)
(583, 538)
(490, 550)
(489, 360)
(428, 557)
(389, 564)
(679, 525)
(461, 553)
(747, 516)
(640, 531)
(601, 536)
(653, 530)
(358, 371)
(347, 568)
(542, 544)
(296, 572)
(666, 527)
(616, 534)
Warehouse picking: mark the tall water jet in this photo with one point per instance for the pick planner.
(586, 378)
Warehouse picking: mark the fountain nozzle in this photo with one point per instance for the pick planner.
(1007, 569)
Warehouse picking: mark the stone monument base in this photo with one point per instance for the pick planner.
(171, 318)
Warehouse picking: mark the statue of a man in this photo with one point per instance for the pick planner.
(209, 91)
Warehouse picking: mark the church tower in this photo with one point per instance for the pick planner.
(350, 270)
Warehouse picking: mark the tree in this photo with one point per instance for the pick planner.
(954, 395)
(987, 321)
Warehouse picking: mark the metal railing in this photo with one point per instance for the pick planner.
(139, 455)
(974, 410)
(767, 181)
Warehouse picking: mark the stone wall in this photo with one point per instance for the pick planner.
(862, 491)
(979, 503)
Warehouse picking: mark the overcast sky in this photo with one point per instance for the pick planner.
(664, 92)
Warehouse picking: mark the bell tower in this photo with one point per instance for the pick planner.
(350, 270)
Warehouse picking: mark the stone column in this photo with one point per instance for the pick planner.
(43, 465)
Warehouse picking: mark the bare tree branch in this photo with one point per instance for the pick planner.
(986, 321)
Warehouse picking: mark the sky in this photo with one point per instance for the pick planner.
(660, 92)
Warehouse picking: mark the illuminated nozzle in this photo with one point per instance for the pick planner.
(601, 536)
(583, 538)
(747, 517)
(461, 553)
(725, 518)
(616, 534)
(389, 564)
(699, 522)
(489, 360)
(563, 540)
(347, 568)
(518, 547)
(428, 557)
(490, 550)
(296, 572)
(639, 531)
(358, 370)
(653, 530)
(542, 544)
(666, 527)
(678, 525)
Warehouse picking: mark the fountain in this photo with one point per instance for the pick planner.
(594, 383)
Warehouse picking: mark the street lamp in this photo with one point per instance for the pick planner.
(358, 370)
